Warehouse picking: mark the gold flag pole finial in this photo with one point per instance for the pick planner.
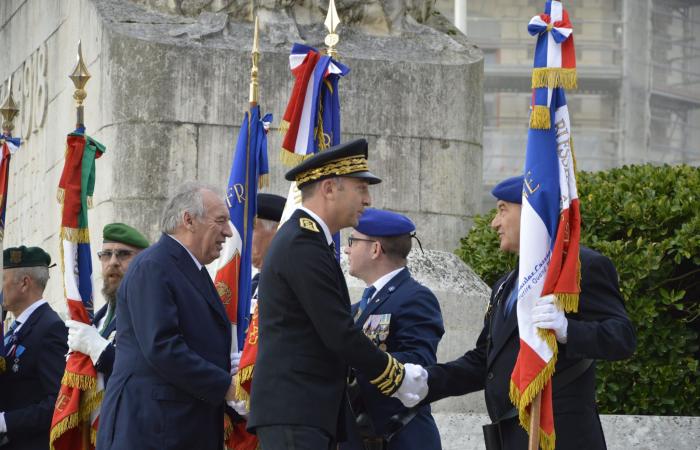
(255, 55)
(332, 21)
(80, 77)
(8, 110)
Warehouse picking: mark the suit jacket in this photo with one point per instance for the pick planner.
(307, 335)
(415, 329)
(106, 361)
(28, 396)
(600, 330)
(171, 369)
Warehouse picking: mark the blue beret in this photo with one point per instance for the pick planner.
(377, 222)
(509, 190)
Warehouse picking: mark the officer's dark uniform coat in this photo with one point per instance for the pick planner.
(28, 396)
(307, 335)
(601, 330)
(171, 370)
(415, 330)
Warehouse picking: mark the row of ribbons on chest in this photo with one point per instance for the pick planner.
(12, 348)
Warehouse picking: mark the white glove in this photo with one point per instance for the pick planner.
(240, 407)
(546, 315)
(85, 339)
(235, 362)
(414, 386)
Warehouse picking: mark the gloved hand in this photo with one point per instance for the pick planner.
(546, 315)
(85, 339)
(235, 362)
(240, 407)
(414, 386)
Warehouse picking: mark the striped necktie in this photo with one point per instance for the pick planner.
(10, 338)
(366, 295)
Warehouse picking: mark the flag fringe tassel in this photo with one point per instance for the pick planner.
(264, 181)
(567, 302)
(290, 159)
(284, 127)
(554, 77)
(244, 375)
(540, 118)
(62, 427)
(82, 382)
(523, 400)
(60, 195)
(75, 235)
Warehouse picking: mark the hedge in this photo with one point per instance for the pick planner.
(647, 220)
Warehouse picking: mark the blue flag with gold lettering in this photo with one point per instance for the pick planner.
(249, 171)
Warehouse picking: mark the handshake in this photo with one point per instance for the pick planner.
(414, 386)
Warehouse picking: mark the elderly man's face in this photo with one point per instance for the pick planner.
(507, 225)
(210, 232)
(115, 258)
(13, 289)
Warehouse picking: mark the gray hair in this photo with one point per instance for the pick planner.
(187, 198)
(38, 274)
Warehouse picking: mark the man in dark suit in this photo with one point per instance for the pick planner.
(401, 317)
(307, 335)
(120, 243)
(600, 330)
(171, 369)
(35, 345)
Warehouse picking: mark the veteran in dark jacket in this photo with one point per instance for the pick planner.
(171, 370)
(400, 316)
(600, 330)
(307, 337)
(35, 349)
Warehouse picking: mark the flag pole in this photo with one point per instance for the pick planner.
(534, 439)
(254, 97)
(80, 77)
(331, 23)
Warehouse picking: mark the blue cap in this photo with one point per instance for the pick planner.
(377, 222)
(509, 190)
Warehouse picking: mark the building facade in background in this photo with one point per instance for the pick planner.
(638, 65)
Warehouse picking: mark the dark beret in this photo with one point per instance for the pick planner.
(270, 206)
(509, 190)
(25, 257)
(119, 232)
(377, 222)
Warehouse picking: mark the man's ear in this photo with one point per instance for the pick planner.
(327, 187)
(188, 220)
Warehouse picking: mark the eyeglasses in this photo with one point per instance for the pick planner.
(352, 239)
(121, 254)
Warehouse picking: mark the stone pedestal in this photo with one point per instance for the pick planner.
(168, 92)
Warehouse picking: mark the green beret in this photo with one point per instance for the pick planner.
(119, 232)
(25, 257)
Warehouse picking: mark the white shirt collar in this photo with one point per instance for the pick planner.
(320, 221)
(199, 265)
(22, 319)
(384, 279)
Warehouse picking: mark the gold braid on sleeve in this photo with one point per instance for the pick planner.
(390, 380)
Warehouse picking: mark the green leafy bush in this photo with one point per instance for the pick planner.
(647, 220)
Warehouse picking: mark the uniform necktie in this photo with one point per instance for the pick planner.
(366, 295)
(108, 320)
(10, 338)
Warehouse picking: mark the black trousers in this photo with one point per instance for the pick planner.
(294, 437)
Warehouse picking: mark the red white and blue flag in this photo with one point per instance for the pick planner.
(76, 411)
(555, 57)
(550, 229)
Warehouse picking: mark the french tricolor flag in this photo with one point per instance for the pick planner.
(555, 57)
(550, 227)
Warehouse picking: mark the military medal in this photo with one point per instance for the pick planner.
(384, 321)
(18, 352)
(382, 347)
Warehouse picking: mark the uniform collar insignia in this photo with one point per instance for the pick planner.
(308, 224)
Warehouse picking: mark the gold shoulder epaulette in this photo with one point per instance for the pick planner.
(390, 380)
(308, 224)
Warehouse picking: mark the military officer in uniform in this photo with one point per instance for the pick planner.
(400, 316)
(35, 345)
(600, 330)
(120, 243)
(307, 335)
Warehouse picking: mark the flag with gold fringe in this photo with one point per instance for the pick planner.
(550, 229)
(75, 418)
(249, 171)
(8, 146)
(555, 59)
(311, 121)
